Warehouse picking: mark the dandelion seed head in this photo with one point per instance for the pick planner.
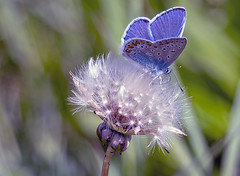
(129, 99)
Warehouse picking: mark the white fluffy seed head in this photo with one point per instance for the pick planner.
(129, 99)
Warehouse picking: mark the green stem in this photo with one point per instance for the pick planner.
(106, 162)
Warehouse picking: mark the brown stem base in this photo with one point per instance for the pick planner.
(106, 162)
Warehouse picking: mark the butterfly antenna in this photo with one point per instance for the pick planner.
(178, 83)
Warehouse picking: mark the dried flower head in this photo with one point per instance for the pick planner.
(129, 99)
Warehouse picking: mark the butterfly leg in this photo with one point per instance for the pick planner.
(178, 83)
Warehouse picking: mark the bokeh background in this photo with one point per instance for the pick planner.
(42, 40)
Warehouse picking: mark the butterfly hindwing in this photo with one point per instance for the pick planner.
(156, 56)
(168, 24)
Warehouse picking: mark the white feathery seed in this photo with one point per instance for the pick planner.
(129, 99)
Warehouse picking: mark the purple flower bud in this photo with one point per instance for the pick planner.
(113, 138)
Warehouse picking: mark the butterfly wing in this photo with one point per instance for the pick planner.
(138, 28)
(168, 24)
(155, 56)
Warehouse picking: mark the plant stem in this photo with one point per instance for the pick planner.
(106, 162)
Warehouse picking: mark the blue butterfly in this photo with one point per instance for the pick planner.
(156, 43)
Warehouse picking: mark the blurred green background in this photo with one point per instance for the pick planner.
(42, 40)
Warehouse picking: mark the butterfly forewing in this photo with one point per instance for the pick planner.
(157, 56)
(138, 28)
(168, 24)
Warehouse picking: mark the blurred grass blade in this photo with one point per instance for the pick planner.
(15, 34)
(187, 163)
(200, 162)
(114, 21)
(198, 144)
(231, 156)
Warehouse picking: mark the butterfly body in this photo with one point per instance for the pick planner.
(156, 43)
